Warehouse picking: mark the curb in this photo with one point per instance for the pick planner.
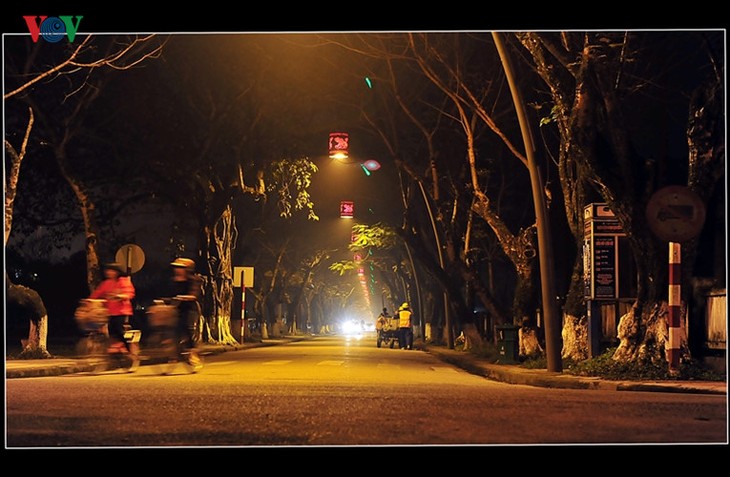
(514, 374)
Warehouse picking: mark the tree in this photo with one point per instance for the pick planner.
(600, 87)
(79, 60)
(20, 299)
(456, 66)
(309, 266)
(211, 151)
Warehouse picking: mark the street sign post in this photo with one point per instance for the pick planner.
(131, 257)
(675, 214)
(243, 278)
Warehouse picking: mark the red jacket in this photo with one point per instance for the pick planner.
(109, 290)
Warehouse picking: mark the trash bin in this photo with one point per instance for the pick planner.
(507, 343)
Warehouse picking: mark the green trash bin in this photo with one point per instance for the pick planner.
(507, 343)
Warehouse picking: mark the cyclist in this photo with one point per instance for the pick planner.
(117, 292)
(186, 286)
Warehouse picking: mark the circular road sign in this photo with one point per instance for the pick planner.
(131, 257)
(675, 214)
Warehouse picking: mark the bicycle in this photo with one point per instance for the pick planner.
(164, 346)
(97, 347)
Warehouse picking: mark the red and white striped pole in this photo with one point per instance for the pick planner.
(675, 305)
(243, 307)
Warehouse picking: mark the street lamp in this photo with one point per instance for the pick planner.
(347, 209)
(339, 146)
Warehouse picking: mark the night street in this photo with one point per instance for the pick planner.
(339, 391)
(543, 201)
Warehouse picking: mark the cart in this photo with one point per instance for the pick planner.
(388, 334)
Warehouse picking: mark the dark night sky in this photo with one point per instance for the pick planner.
(306, 76)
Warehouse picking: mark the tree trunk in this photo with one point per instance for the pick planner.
(575, 337)
(520, 249)
(644, 336)
(472, 338)
(529, 342)
(11, 180)
(218, 284)
(87, 209)
(25, 303)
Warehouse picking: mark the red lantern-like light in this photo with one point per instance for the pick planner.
(339, 145)
(347, 209)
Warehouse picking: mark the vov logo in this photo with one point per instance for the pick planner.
(52, 29)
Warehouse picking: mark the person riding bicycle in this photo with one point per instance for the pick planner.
(186, 288)
(117, 292)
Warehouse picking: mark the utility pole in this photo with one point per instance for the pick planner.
(553, 344)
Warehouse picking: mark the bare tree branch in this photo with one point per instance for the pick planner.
(122, 59)
(11, 187)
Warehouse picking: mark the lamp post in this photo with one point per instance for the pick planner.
(547, 271)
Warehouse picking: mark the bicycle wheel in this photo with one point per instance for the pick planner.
(94, 347)
(83, 347)
(192, 360)
(170, 353)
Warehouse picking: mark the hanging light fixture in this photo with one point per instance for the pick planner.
(371, 165)
(347, 209)
(339, 146)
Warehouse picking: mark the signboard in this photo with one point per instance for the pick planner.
(605, 278)
(246, 280)
(675, 214)
(131, 257)
(602, 233)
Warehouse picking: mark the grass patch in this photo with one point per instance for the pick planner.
(604, 366)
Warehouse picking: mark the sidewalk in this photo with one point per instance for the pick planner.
(512, 374)
(31, 368)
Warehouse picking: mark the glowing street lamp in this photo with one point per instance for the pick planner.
(347, 209)
(339, 146)
(371, 165)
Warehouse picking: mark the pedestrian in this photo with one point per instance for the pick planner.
(405, 327)
(187, 286)
(117, 292)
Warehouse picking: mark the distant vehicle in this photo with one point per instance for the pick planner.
(357, 327)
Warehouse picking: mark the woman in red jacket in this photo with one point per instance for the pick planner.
(117, 291)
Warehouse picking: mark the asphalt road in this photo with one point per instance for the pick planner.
(335, 392)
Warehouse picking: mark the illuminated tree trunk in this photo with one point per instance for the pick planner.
(25, 301)
(218, 282)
